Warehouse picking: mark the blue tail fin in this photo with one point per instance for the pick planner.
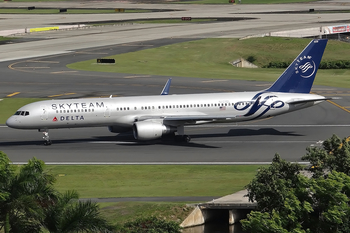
(300, 75)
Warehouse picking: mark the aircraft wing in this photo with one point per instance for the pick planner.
(190, 117)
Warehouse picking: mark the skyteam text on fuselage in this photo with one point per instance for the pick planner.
(151, 117)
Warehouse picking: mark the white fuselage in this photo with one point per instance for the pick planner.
(125, 111)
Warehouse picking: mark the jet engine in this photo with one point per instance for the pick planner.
(148, 130)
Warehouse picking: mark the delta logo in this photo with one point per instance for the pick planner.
(68, 118)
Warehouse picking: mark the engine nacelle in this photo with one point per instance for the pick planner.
(148, 130)
(118, 129)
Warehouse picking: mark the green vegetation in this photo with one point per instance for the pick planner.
(69, 11)
(9, 106)
(289, 200)
(150, 224)
(30, 203)
(244, 1)
(209, 58)
(119, 213)
(152, 181)
(6, 38)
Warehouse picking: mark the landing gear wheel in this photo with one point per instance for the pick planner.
(182, 138)
(48, 143)
(186, 138)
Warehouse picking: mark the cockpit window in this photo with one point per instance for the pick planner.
(22, 113)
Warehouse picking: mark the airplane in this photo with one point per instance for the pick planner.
(154, 117)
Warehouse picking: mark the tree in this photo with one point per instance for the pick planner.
(290, 202)
(68, 214)
(25, 195)
(29, 203)
(333, 155)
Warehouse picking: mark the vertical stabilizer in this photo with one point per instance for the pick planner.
(300, 75)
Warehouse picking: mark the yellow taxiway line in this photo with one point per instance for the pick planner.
(15, 93)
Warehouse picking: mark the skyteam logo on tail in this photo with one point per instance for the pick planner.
(305, 67)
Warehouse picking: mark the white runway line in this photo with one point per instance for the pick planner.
(251, 126)
(112, 142)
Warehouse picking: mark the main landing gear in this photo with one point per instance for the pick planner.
(182, 138)
(46, 137)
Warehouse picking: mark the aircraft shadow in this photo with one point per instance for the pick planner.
(128, 140)
(248, 132)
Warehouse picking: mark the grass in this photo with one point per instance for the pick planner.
(9, 106)
(245, 1)
(152, 180)
(119, 213)
(2, 38)
(209, 58)
(69, 11)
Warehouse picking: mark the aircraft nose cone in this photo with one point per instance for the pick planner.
(12, 122)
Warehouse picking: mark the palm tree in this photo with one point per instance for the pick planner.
(24, 195)
(69, 215)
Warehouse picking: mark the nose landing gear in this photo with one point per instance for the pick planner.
(46, 137)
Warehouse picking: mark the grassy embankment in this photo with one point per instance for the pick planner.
(151, 181)
(245, 1)
(209, 58)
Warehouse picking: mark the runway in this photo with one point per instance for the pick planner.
(48, 77)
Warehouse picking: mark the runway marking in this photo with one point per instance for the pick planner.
(61, 94)
(61, 72)
(53, 62)
(339, 106)
(15, 93)
(211, 81)
(263, 85)
(3, 126)
(264, 126)
(157, 163)
(112, 142)
(248, 142)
